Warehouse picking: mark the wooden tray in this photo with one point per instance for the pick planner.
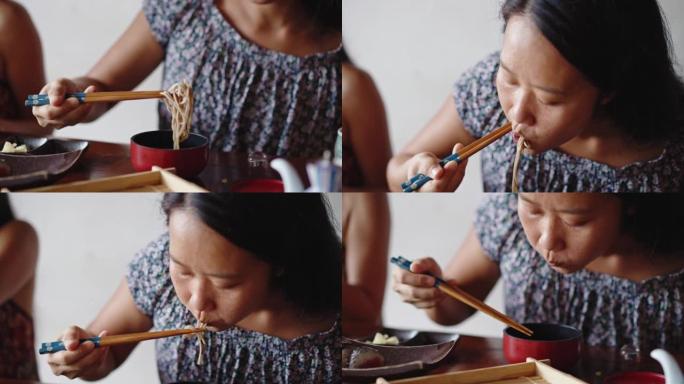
(156, 180)
(531, 372)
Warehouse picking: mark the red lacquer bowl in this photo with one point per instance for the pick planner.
(558, 343)
(156, 148)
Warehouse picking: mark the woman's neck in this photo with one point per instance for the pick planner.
(605, 143)
(282, 26)
(272, 16)
(633, 261)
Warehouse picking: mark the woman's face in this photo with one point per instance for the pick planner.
(212, 275)
(570, 230)
(546, 99)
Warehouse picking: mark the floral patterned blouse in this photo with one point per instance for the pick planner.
(610, 311)
(246, 97)
(231, 356)
(477, 102)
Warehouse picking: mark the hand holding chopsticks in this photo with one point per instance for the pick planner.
(104, 341)
(94, 97)
(465, 298)
(417, 181)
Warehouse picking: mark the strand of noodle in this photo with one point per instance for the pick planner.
(201, 341)
(516, 163)
(178, 100)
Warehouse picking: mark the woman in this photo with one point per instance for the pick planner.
(366, 144)
(609, 265)
(18, 259)
(262, 271)
(265, 75)
(21, 70)
(589, 85)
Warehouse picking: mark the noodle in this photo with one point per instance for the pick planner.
(516, 163)
(178, 100)
(200, 338)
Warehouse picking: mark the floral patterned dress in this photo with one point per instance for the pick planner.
(477, 102)
(246, 98)
(231, 356)
(609, 311)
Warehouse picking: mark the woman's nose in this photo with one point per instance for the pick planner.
(551, 239)
(200, 299)
(521, 111)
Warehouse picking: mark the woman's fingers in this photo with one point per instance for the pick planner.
(61, 111)
(417, 287)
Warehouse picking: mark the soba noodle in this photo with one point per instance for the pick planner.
(200, 338)
(178, 100)
(516, 163)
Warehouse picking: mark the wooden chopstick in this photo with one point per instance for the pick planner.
(466, 298)
(95, 97)
(56, 346)
(482, 142)
(420, 179)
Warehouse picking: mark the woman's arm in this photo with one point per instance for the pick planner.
(22, 59)
(471, 270)
(127, 63)
(366, 247)
(430, 145)
(18, 257)
(365, 125)
(120, 315)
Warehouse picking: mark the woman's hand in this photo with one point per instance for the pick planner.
(79, 359)
(416, 287)
(62, 111)
(445, 179)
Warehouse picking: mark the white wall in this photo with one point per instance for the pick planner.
(86, 242)
(75, 35)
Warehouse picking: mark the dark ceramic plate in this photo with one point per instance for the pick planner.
(46, 160)
(416, 350)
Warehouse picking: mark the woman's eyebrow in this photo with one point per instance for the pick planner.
(556, 91)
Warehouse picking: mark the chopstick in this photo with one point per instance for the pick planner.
(420, 179)
(95, 97)
(104, 341)
(466, 298)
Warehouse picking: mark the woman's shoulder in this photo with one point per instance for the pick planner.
(357, 84)
(14, 20)
(476, 97)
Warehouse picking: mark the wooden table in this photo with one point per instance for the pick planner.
(594, 366)
(223, 169)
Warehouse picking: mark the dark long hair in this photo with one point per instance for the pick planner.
(326, 13)
(294, 233)
(654, 220)
(624, 49)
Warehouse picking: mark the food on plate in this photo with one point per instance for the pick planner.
(10, 147)
(383, 339)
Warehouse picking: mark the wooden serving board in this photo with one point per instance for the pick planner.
(531, 372)
(156, 180)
